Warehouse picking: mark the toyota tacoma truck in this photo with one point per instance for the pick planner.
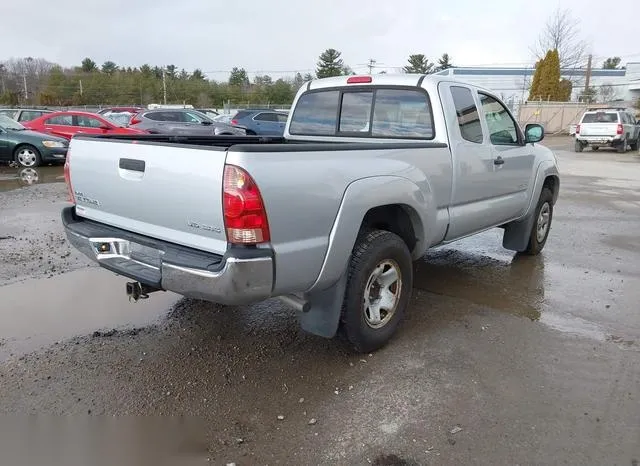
(371, 172)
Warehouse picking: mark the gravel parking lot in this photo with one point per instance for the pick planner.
(501, 360)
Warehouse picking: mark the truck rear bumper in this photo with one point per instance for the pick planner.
(600, 140)
(238, 277)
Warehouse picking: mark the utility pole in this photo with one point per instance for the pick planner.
(164, 86)
(24, 81)
(81, 87)
(588, 76)
(371, 64)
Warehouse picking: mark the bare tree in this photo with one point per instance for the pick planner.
(607, 93)
(562, 32)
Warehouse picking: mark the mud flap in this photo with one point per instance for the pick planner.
(517, 234)
(323, 317)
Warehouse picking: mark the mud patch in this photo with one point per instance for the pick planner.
(45, 311)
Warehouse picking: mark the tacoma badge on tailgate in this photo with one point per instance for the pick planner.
(204, 227)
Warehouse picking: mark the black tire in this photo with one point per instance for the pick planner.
(578, 147)
(634, 144)
(622, 147)
(374, 251)
(536, 244)
(595, 148)
(27, 156)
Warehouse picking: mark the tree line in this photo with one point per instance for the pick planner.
(37, 81)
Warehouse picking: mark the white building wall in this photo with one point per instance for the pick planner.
(512, 84)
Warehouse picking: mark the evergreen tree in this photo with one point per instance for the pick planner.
(534, 91)
(418, 63)
(330, 64)
(88, 65)
(444, 62)
(238, 77)
(566, 88)
(109, 67)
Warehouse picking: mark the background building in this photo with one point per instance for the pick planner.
(512, 84)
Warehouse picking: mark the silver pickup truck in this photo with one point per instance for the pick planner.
(371, 172)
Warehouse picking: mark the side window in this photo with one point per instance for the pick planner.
(265, 117)
(188, 117)
(282, 118)
(63, 120)
(356, 111)
(29, 115)
(88, 122)
(502, 128)
(402, 113)
(468, 115)
(315, 114)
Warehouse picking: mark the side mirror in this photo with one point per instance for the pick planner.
(105, 127)
(206, 123)
(533, 133)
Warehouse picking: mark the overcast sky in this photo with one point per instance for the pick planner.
(288, 35)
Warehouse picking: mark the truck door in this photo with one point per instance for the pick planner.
(476, 196)
(513, 159)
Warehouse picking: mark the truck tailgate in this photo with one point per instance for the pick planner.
(170, 192)
(598, 129)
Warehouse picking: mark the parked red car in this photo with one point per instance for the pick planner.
(67, 124)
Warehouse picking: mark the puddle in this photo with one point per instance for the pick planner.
(14, 178)
(480, 271)
(38, 313)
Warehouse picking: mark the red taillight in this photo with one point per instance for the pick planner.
(577, 129)
(245, 218)
(234, 122)
(67, 177)
(620, 129)
(359, 79)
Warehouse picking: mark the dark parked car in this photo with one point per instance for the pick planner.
(29, 148)
(23, 114)
(182, 121)
(262, 122)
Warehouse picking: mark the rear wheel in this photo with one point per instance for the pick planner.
(634, 144)
(595, 148)
(578, 147)
(542, 225)
(622, 147)
(27, 156)
(378, 289)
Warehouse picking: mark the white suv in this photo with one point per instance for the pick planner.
(607, 127)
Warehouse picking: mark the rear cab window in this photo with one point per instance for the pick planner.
(600, 117)
(376, 112)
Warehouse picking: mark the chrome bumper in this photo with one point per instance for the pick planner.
(237, 281)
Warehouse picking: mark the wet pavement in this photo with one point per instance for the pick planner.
(14, 178)
(502, 359)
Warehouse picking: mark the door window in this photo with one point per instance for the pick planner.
(29, 115)
(62, 120)
(88, 122)
(468, 115)
(502, 127)
(266, 117)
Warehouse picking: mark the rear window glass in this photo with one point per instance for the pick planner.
(600, 117)
(241, 115)
(356, 111)
(316, 114)
(397, 113)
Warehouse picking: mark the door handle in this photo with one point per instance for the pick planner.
(498, 161)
